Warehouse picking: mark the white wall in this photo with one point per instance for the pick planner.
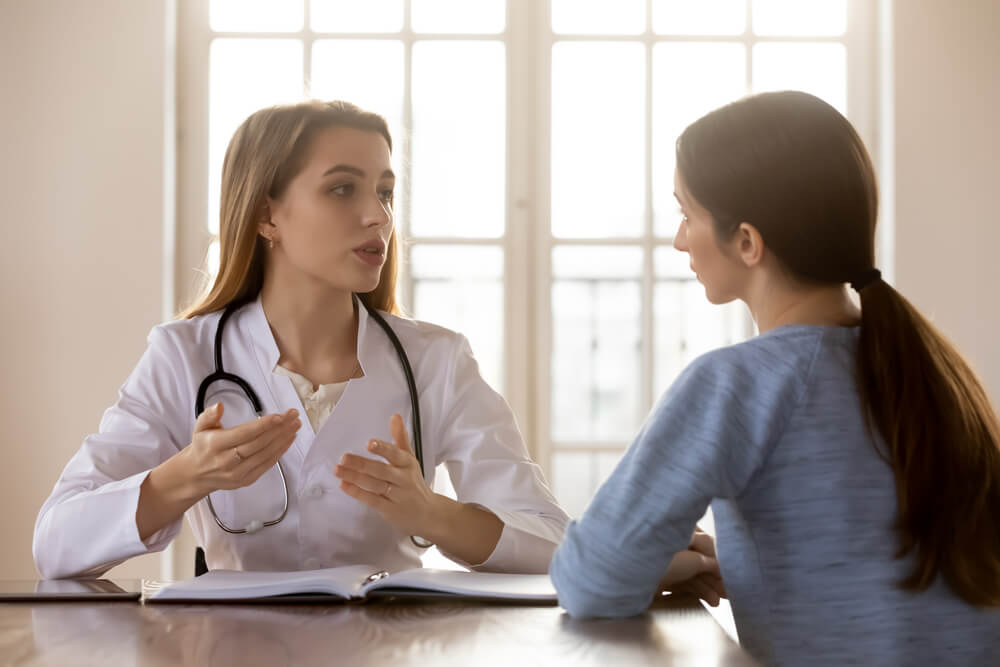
(947, 117)
(82, 175)
(81, 172)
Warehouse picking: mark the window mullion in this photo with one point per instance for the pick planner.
(520, 272)
(194, 44)
(308, 38)
(540, 46)
(405, 146)
(646, 329)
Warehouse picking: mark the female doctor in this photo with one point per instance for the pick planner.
(307, 247)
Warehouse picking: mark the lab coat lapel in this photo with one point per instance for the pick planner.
(281, 394)
(368, 402)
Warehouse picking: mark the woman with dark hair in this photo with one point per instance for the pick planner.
(850, 455)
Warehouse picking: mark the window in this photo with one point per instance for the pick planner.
(534, 148)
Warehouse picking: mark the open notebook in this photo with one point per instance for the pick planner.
(353, 582)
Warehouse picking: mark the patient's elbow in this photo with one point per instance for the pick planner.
(580, 604)
(581, 601)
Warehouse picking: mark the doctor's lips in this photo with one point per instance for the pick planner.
(372, 252)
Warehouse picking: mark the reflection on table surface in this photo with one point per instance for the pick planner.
(30, 590)
(674, 631)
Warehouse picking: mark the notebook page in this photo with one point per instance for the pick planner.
(344, 582)
(473, 584)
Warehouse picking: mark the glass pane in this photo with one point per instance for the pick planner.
(368, 73)
(820, 69)
(799, 17)
(599, 17)
(353, 16)
(689, 80)
(705, 17)
(461, 287)
(596, 372)
(576, 477)
(459, 139)
(598, 139)
(686, 325)
(245, 75)
(573, 476)
(451, 16)
(255, 15)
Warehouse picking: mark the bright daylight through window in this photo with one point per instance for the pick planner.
(534, 148)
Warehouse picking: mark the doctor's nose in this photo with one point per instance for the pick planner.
(377, 212)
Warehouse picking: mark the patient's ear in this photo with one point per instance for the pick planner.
(749, 244)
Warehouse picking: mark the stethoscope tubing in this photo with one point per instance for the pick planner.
(221, 375)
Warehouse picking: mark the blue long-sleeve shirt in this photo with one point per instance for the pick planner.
(772, 434)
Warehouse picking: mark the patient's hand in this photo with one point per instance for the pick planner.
(696, 571)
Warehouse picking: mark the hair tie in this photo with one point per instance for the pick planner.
(865, 279)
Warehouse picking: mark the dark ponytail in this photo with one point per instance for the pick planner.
(940, 435)
(792, 166)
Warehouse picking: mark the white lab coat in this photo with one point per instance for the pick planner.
(88, 524)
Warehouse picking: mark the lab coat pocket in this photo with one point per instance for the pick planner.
(251, 506)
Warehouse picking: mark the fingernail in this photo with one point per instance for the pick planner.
(372, 446)
(217, 407)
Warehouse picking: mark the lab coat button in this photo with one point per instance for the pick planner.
(311, 563)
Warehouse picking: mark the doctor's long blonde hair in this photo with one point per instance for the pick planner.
(265, 154)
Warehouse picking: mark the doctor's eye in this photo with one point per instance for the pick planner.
(343, 190)
(387, 196)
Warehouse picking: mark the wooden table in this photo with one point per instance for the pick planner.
(674, 631)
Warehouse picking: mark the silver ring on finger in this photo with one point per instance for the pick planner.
(388, 488)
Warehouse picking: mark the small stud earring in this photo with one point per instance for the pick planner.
(270, 244)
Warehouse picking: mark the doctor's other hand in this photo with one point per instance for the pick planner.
(230, 458)
(396, 487)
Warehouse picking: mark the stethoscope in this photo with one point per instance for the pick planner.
(220, 375)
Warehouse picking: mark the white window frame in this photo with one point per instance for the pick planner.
(527, 241)
(862, 105)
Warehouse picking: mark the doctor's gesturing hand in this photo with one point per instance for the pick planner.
(397, 490)
(231, 458)
(217, 459)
